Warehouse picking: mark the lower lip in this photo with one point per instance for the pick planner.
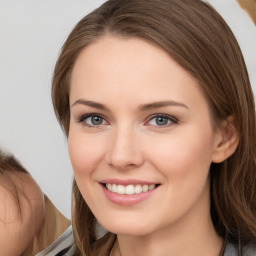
(127, 200)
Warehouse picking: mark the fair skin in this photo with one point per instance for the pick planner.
(138, 118)
(18, 231)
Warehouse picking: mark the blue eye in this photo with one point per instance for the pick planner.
(93, 120)
(162, 120)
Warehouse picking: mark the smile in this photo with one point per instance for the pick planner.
(128, 192)
(129, 189)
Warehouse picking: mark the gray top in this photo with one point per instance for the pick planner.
(65, 246)
(248, 250)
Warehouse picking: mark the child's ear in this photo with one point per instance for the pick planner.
(226, 142)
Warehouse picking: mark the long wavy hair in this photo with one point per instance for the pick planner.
(197, 38)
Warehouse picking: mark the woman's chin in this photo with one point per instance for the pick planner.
(125, 229)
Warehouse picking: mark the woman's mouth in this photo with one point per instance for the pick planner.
(129, 189)
(127, 193)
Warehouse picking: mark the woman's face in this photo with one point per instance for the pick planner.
(141, 138)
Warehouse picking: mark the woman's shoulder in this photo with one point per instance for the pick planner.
(233, 249)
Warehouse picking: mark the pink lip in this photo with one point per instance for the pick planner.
(127, 200)
(127, 182)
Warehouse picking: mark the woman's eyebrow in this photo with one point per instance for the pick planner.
(143, 107)
(160, 104)
(90, 103)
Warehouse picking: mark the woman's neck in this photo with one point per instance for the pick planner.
(177, 239)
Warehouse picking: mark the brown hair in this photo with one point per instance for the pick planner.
(8, 166)
(197, 37)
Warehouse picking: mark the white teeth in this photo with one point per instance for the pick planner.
(114, 188)
(145, 188)
(129, 189)
(120, 189)
(138, 189)
(151, 187)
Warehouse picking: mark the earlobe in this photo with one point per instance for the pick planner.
(227, 140)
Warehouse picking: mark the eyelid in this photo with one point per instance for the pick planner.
(84, 116)
(173, 120)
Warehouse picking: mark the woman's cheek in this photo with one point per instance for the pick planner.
(84, 152)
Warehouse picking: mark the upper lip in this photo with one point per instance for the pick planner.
(127, 182)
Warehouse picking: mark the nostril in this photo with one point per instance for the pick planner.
(124, 161)
(123, 152)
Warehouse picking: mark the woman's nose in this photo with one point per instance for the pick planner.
(125, 151)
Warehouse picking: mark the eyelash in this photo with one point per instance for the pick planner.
(172, 120)
(84, 117)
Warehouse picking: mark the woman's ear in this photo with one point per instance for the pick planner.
(227, 139)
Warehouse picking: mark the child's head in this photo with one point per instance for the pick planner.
(22, 209)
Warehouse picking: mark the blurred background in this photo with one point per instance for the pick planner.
(250, 7)
(31, 35)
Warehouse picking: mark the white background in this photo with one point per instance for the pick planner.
(31, 35)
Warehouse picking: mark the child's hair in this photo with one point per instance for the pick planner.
(8, 166)
(197, 38)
